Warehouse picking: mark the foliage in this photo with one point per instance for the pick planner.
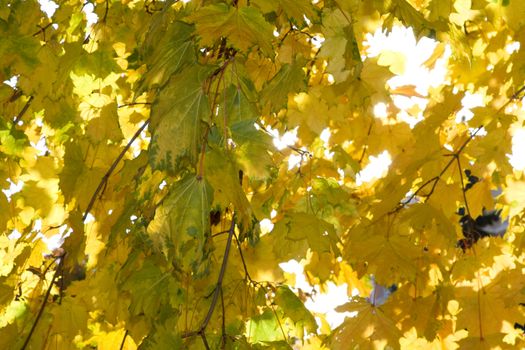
(159, 167)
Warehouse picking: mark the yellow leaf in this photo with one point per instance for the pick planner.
(515, 196)
(395, 61)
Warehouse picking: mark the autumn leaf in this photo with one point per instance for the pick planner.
(223, 174)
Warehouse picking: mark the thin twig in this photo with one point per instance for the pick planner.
(23, 111)
(223, 325)
(365, 147)
(514, 96)
(44, 302)
(204, 341)
(221, 277)
(106, 12)
(218, 289)
(301, 152)
(243, 261)
(220, 233)
(43, 30)
(463, 189)
(103, 182)
(134, 104)
(123, 340)
(279, 322)
(436, 179)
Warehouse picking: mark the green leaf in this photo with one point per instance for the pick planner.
(302, 230)
(289, 79)
(223, 174)
(410, 16)
(294, 308)
(237, 107)
(169, 55)
(182, 224)
(148, 289)
(340, 45)
(176, 118)
(252, 147)
(295, 10)
(12, 141)
(264, 328)
(243, 27)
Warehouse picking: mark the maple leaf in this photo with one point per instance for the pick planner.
(147, 201)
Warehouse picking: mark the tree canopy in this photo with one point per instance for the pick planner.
(145, 204)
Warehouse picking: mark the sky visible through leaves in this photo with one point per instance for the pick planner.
(262, 174)
(415, 53)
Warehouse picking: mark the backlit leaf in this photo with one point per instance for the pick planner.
(177, 117)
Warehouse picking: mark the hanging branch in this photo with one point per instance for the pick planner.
(216, 292)
(44, 302)
(104, 181)
(434, 181)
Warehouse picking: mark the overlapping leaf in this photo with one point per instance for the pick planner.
(243, 27)
(181, 226)
(177, 117)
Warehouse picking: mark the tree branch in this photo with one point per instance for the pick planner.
(100, 187)
(103, 182)
(44, 302)
(218, 289)
(23, 111)
(123, 340)
(436, 179)
(223, 324)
